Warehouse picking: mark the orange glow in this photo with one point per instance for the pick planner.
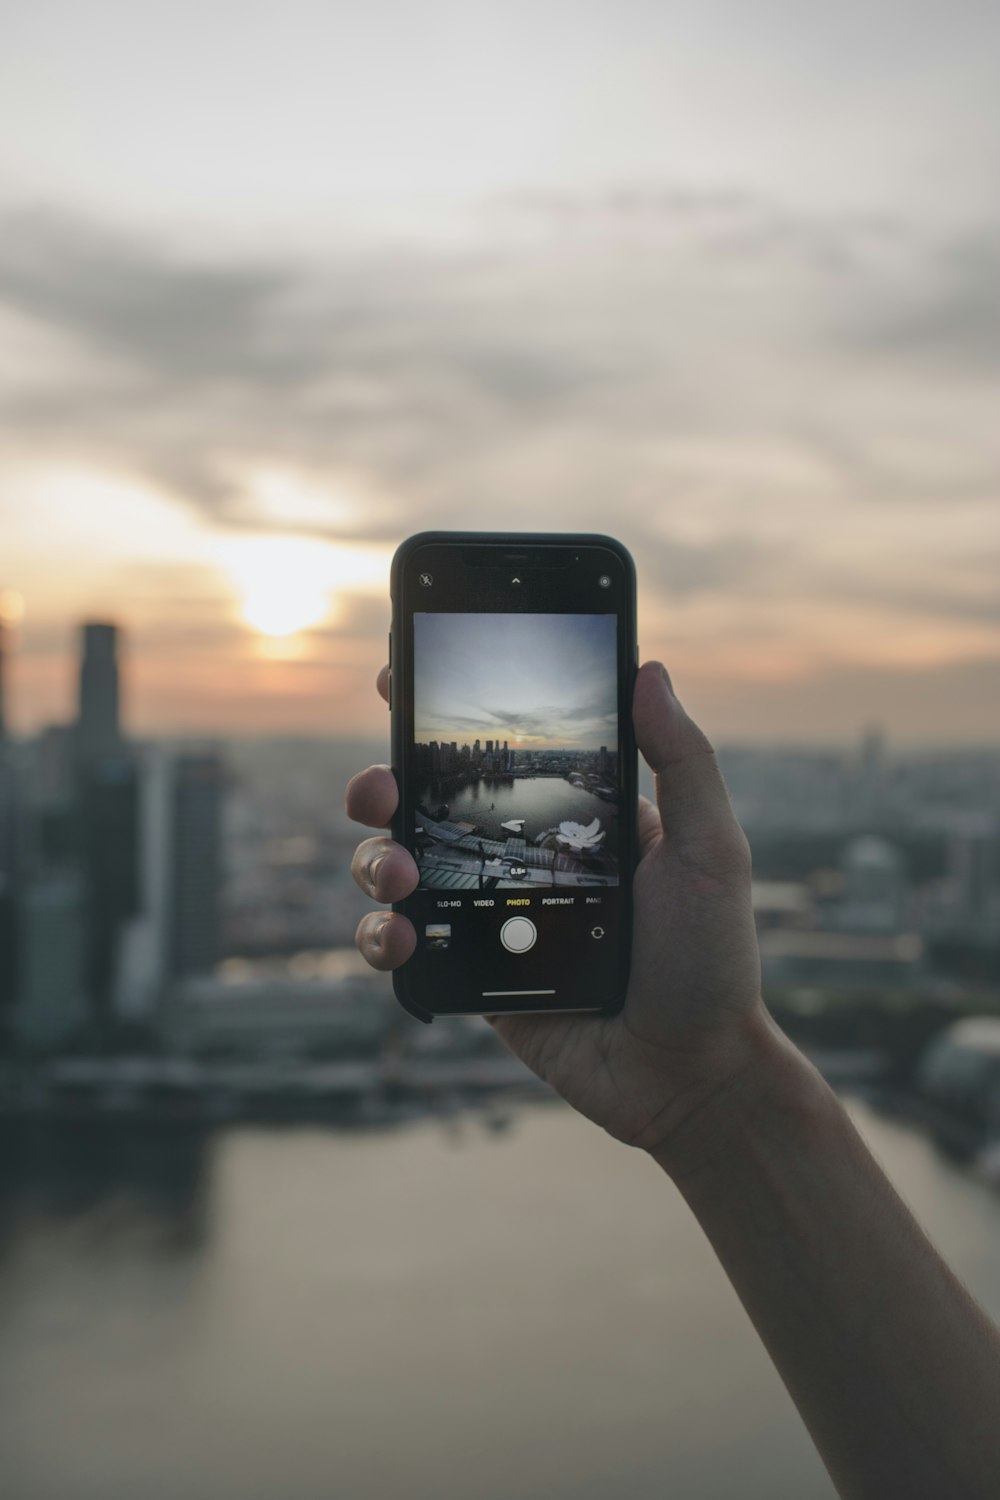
(11, 608)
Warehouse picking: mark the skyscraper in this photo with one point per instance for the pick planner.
(98, 726)
(7, 789)
(8, 856)
(108, 833)
(196, 838)
(144, 941)
(51, 1000)
(3, 667)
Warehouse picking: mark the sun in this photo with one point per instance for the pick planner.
(11, 608)
(284, 583)
(283, 611)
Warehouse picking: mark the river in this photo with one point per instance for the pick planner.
(446, 1311)
(541, 801)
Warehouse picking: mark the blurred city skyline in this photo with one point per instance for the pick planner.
(720, 284)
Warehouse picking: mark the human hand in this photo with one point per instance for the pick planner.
(693, 1021)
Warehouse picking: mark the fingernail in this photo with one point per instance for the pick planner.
(373, 870)
(378, 932)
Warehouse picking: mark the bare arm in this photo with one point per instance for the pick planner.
(893, 1367)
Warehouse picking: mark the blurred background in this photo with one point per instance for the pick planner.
(280, 285)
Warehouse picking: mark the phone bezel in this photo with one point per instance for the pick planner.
(400, 647)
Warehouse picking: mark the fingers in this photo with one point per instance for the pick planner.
(371, 797)
(385, 939)
(690, 792)
(387, 872)
(384, 870)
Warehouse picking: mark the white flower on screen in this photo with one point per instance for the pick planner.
(576, 836)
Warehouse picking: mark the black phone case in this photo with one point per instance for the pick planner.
(398, 684)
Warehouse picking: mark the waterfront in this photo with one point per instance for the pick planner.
(451, 1309)
(542, 801)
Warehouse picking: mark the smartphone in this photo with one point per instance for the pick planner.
(512, 664)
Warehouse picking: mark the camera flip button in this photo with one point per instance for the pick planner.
(518, 934)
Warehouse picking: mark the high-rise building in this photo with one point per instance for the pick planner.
(8, 800)
(196, 863)
(3, 681)
(52, 991)
(144, 946)
(8, 812)
(8, 855)
(98, 721)
(53, 765)
(107, 818)
(8, 883)
(974, 871)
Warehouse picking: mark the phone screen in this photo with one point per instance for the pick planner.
(519, 811)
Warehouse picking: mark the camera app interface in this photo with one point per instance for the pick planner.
(516, 760)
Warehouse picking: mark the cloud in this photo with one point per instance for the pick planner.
(171, 318)
(946, 314)
(723, 383)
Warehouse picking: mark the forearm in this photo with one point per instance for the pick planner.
(893, 1367)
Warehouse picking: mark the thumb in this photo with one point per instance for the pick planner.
(690, 792)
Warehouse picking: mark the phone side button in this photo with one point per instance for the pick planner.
(389, 688)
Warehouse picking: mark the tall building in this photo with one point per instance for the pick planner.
(7, 789)
(51, 993)
(3, 681)
(145, 943)
(98, 720)
(8, 855)
(974, 869)
(196, 862)
(53, 765)
(107, 817)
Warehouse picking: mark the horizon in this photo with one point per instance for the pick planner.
(319, 719)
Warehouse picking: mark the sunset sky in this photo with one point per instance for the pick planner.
(280, 285)
(538, 682)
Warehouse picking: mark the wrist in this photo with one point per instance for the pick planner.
(768, 1085)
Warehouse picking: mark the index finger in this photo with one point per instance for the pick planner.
(382, 683)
